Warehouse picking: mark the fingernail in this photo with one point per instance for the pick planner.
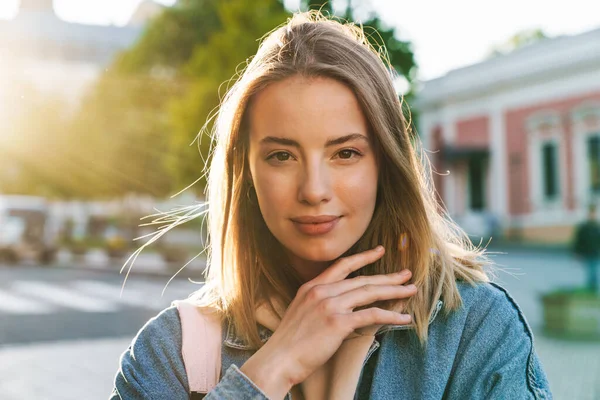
(406, 318)
(379, 249)
(411, 287)
(404, 272)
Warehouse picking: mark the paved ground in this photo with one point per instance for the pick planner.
(85, 369)
(73, 370)
(573, 368)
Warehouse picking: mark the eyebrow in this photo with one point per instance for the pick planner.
(329, 143)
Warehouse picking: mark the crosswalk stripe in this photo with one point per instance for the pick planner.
(62, 296)
(131, 296)
(12, 304)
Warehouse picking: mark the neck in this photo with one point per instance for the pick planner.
(308, 270)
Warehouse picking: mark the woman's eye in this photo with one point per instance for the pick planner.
(347, 154)
(280, 156)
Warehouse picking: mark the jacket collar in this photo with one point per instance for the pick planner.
(233, 340)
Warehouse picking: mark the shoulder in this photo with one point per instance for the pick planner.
(161, 333)
(167, 320)
(495, 345)
(481, 291)
(153, 364)
(489, 313)
(491, 301)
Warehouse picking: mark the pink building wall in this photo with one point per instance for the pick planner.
(473, 132)
(517, 162)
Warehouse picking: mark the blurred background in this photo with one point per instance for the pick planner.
(101, 103)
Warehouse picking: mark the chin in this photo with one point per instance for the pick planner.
(316, 253)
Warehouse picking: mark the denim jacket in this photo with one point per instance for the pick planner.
(483, 350)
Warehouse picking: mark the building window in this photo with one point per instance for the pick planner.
(550, 170)
(477, 183)
(586, 153)
(593, 145)
(546, 157)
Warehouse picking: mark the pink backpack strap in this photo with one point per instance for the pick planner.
(201, 345)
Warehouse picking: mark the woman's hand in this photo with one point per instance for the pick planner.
(320, 317)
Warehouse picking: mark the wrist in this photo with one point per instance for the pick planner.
(268, 372)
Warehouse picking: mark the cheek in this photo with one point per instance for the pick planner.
(359, 192)
(273, 191)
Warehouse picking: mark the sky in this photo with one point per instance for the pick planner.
(445, 34)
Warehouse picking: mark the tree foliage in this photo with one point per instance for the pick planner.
(171, 39)
(122, 133)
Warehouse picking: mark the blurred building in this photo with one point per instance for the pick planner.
(520, 137)
(41, 52)
(48, 62)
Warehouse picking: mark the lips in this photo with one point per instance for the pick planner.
(315, 225)
(319, 219)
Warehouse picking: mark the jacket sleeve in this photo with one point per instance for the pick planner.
(496, 358)
(236, 386)
(153, 368)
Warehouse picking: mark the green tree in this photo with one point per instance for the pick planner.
(121, 134)
(170, 40)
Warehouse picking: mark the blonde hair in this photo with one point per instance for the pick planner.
(246, 263)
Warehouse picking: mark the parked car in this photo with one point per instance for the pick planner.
(25, 229)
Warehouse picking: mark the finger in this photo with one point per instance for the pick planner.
(346, 285)
(376, 316)
(345, 266)
(369, 294)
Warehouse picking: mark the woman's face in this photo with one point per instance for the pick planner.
(313, 167)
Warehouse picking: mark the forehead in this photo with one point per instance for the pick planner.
(310, 108)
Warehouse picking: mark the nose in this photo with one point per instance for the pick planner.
(315, 184)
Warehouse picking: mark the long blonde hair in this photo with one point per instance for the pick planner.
(247, 265)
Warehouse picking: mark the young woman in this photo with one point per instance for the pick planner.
(335, 273)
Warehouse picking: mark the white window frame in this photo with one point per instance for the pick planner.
(582, 131)
(542, 128)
